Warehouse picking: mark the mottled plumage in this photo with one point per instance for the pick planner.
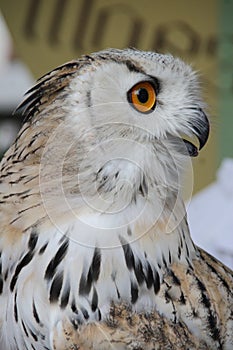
(95, 249)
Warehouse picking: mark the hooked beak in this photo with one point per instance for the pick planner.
(201, 131)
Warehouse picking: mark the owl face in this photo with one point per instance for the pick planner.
(157, 94)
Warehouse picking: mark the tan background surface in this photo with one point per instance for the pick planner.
(49, 32)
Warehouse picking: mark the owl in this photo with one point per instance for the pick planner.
(95, 249)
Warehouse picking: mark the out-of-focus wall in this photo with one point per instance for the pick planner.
(48, 33)
(226, 78)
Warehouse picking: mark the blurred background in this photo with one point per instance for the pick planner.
(38, 35)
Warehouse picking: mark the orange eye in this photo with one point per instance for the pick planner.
(142, 96)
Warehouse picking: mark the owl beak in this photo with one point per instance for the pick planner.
(191, 145)
(203, 129)
(201, 132)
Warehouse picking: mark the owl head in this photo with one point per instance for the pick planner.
(114, 127)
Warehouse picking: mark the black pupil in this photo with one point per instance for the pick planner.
(142, 95)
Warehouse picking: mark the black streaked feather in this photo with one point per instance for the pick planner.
(24, 328)
(86, 282)
(134, 293)
(65, 296)
(33, 240)
(42, 249)
(84, 285)
(56, 287)
(34, 336)
(212, 317)
(48, 86)
(15, 308)
(85, 313)
(139, 272)
(25, 261)
(129, 256)
(56, 260)
(94, 302)
(149, 276)
(175, 279)
(94, 269)
(156, 282)
(35, 313)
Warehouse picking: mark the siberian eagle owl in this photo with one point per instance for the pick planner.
(95, 249)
